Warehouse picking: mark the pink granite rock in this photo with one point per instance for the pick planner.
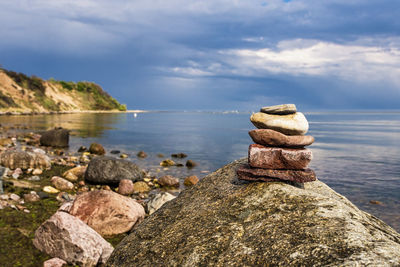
(107, 212)
(68, 238)
(54, 262)
(125, 187)
(269, 137)
(245, 172)
(278, 158)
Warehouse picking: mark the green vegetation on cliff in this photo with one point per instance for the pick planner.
(31, 93)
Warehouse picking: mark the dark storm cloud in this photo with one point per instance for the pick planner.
(212, 54)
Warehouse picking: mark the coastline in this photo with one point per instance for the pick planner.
(27, 113)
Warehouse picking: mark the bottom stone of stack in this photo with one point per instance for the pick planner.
(248, 173)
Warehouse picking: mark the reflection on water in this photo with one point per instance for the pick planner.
(80, 124)
(357, 154)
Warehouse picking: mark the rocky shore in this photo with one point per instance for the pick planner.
(73, 207)
(95, 207)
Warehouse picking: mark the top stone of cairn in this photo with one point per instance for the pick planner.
(284, 109)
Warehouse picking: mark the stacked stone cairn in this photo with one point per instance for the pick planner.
(278, 153)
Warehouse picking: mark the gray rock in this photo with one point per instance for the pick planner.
(108, 170)
(283, 109)
(159, 200)
(56, 138)
(222, 222)
(66, 237)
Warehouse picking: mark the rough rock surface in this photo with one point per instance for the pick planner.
(223, 222)
(68, 238)
(55, 138)
(278, 158)
(24, 160)
(107, 212)
(283, 109)
(269, 137)
(245, 172)
(159, 200)
(292, 124)
(108, 170)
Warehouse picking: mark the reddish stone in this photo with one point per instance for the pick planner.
(279, 158)
(245, 172)
(269, 137)
(191, 180)
(107, 212)
(68, 238)
(125, 187)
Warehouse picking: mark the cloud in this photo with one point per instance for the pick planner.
(357, 63)
(225, 50)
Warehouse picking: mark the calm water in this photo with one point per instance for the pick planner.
(357, 154)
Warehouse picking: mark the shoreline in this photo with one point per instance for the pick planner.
(31, 113)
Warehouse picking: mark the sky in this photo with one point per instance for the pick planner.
(212, 55)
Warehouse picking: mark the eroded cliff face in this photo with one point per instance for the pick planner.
(224, 222)
(20, 93)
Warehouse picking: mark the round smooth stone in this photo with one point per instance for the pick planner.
(293, 124)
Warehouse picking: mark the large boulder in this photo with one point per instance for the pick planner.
(24, 160)
(107, 212)
(68, 238)
(108, 170)
(224, 222)
(58, 137)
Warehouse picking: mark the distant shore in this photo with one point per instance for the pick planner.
(9, 113)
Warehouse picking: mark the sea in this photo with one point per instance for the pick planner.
(357, 153)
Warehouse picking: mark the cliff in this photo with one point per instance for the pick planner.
(22, 94)
(224, 222)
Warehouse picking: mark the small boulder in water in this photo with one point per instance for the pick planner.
(109, 170)
(141, 154)
(97, 149)
(58, 137)
(190, 163)
(167, 163)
